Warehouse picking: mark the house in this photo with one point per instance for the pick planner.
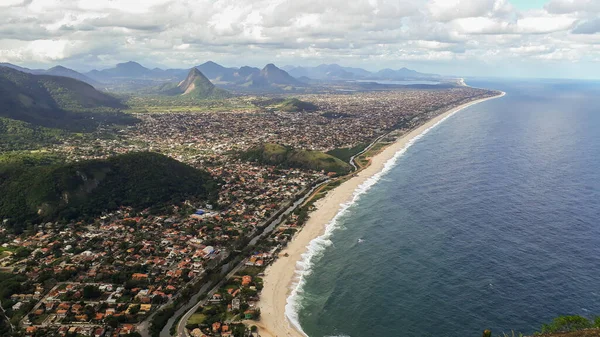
(246, 280)
(64, 305)
(81, 318)
(208, 250)
(216, 326)
(99, 332)
(235, 304)
(30, 330)
(139, 276)
(145, 307)
(76, 308)
(216, 298)
(127, 329)
(63, 330)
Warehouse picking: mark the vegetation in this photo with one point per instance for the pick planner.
(19, 135)
(196, 319)
(56, 102)
(569, 323)
(296, 105)
(278, 155)
(160, 319)
(12, 284)
(345, 153)
(364, 159)
(186, 104)
(65, 191)
(92, 292)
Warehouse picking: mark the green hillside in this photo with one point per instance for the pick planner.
(56, 101)
(296, 105)
(34, 192)
(275, 154)
(19, 135)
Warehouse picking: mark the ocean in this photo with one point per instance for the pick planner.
(490, 220)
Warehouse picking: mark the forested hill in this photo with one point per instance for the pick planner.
(278, 155)
(33, 191)
(56, 101)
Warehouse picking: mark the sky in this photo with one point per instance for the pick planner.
(508, 38)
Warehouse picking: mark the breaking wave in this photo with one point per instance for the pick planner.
(317, 246)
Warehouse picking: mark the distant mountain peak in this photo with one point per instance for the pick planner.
(199, 86)
(66, 72)
(195, 81)
(211, 63)
(129, 64)
(195, 72)
(58, 67)
(273, 75)
(216, 71)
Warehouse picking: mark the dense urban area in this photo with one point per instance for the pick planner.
(134, 271)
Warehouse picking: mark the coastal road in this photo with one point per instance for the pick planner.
(289, 210)
(365, 150)
(181, 330)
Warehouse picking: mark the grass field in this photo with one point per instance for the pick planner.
(160, 104)
(196, 319)
(363, 159)
(4, 252)
(347, 152)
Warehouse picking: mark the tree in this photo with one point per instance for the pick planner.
(112, 321)
(22, 252)
(157, 299)
(91, 292)
(133, 310)
(567, 323)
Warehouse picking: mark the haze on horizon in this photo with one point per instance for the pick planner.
(517, 38)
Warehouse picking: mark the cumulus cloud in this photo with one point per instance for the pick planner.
(573, 6)
(386, 33)
(447, 10)
(588, 27)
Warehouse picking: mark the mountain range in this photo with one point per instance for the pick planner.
(337, 72)
(244, 77)
(54, 101)
(131, 76)
(54, 71)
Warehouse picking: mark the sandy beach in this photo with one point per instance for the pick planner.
(281, 275)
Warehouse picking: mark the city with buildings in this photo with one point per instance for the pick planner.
(114, 275)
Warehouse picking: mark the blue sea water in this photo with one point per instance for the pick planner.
(489, 221)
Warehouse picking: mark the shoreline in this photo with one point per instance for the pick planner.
(282, 278)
